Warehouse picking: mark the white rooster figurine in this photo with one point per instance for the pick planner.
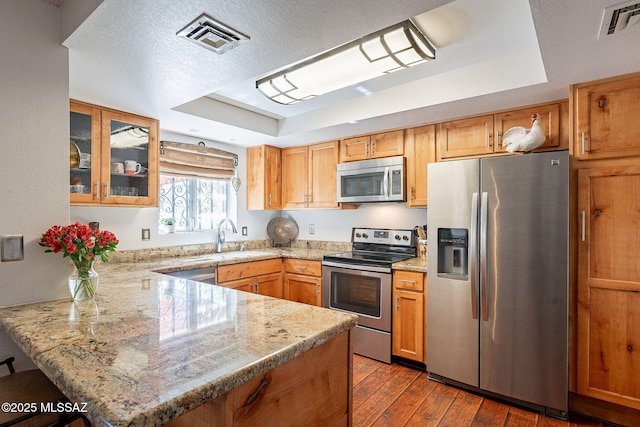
(519, 138)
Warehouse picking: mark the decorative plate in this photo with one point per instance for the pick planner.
(74, 155)
(282, 230)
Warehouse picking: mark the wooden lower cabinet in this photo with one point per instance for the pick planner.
(409, 327)
(608, 307)
(313, 389)
(260, 277)
(303, 281)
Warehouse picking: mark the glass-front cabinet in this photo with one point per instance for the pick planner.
(113, 157)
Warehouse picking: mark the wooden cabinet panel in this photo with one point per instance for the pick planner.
(465, 137)
(303, 266)
(409, 327)
(357, 148)
(269, 285)
(295, 167)
(304, 289)
(309, 176)
(247, 269)
(323, 159)
(264, 189)
(420, 150)
(607, 118)
(303, 281)
(387, 144)
(549, 121)
(608, 333)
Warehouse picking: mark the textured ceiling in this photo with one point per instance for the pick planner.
(492, 54)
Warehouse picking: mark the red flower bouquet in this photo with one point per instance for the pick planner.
(82, 245)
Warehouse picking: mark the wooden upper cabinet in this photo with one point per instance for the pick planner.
(264, 184)
(549, 122)
(357, 148)
(465, 137)
(420, 150)
(295, 166)
(608, 306)
(607, 118)
(482, 135)
(323, 159)
(102, 140)
(386, 144)
(309, 176)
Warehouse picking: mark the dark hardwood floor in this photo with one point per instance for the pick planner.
(394, 395)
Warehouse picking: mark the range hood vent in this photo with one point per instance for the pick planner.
(211, 34)
(620, 18)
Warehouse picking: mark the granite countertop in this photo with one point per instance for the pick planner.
(152, 347)
(418, 265)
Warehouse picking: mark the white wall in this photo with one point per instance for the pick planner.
(34, 145)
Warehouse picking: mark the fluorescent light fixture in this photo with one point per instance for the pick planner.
(386, 51)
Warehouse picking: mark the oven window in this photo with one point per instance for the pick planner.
(355, 293)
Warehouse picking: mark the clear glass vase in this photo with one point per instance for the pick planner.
(83, 282)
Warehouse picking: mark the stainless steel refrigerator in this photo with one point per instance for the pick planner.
(497, 311)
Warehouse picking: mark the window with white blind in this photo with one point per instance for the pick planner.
(195, 186)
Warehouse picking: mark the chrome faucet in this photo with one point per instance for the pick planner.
(220, 233)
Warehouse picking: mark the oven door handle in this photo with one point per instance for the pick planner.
(372, 268)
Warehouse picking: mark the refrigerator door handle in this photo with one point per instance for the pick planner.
(473, 255)
(483, 258)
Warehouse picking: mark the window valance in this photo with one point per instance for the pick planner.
(196, 161)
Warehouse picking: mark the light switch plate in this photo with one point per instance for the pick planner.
(12, 248)
(146, 234)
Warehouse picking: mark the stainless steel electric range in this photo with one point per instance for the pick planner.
(359, 282)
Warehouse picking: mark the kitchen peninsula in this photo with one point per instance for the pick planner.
(154, 349)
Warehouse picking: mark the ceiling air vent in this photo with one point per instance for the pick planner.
(620, 18)
(211, 34)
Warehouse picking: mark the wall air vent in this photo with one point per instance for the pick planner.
(211, 34)
(620, 18)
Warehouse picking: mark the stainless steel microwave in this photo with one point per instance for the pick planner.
(378, 180)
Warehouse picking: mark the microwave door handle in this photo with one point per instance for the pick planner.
(385, 182)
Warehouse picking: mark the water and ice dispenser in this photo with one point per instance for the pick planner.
(453, 252)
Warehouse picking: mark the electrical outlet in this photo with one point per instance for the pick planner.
(312, 229)
(146, 234)
(244, 230)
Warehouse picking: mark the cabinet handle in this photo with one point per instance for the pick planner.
(397, 303)
(97, 190)
(489, 140)
(301, 267)
(407, 281)
(106, 190)
(583, 145)
(269, 199)
(498, 139)
(317, 288)
(373, 147)
(584, 226)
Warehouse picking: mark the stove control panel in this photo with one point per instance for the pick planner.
(383, 236)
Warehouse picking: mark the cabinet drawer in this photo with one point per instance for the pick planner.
(303, 266)
(248, 269)
(408, 280)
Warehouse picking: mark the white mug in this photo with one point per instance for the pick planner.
(132, 167)
(117, 167)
